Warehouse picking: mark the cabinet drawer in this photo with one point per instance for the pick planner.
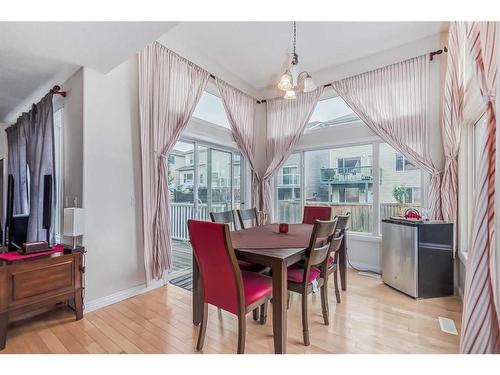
(38, 281)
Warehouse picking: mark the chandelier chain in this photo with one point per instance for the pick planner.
(294, 36)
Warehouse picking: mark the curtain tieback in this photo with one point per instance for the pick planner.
(160, 155)
(489, 97)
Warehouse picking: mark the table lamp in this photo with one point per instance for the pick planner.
(74, 223)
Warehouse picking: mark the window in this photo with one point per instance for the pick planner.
(397, 191)
(211, 109)
(289, 175)
(331, 112)
(289, 191)
(349, 163)
(349, 195)
(188, 178)
(403, 164)
(171, 159)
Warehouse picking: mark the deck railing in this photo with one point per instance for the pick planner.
(289, 211)
(361, 213)
(180, 213)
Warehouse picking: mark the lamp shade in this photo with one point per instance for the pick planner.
(74, 222)
(285, 82)
(309, 84)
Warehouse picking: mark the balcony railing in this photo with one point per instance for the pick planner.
(346, 175)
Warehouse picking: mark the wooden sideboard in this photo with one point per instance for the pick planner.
(31, 284)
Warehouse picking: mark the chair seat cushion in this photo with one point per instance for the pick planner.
(296, 273)
(331, 261)
(256, 286)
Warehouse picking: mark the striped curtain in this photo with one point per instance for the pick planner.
(481, 320)
(286, 122)
(393, 101)
(169, 89)
(454, 93)
(240, 111)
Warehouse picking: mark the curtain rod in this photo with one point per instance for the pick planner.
(431, 58)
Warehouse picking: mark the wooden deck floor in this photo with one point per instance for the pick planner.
(372, 318)
(182, 267)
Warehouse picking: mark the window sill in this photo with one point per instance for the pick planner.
(365, 237)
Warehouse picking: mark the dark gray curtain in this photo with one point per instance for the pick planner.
(40, 157)
(17, 164)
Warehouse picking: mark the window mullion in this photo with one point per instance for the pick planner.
(376, 188)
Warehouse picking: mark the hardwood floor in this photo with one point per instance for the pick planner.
(372, 318)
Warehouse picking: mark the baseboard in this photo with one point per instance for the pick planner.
(121, 295)
(364, 266)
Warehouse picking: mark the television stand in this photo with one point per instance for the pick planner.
(30, 284)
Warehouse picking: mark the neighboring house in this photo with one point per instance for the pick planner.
(345, 175)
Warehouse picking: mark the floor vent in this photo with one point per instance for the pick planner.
(447, 325)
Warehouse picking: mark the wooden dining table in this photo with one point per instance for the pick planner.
(264, 245)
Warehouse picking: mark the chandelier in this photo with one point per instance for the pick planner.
(293, 80)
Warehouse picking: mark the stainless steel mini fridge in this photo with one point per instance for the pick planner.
(417, 257)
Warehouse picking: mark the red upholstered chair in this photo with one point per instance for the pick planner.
(224, 284)
(301, 276)
(313, 213)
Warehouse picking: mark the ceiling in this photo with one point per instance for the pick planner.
(35, 53)
(256, 52)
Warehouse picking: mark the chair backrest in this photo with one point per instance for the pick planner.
(335, 247)
(313, 213)
(219, 271)
(343, 221)
(226, 217)
(245, 215)
(319, 245)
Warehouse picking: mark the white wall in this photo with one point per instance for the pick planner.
(112, 182)
(72, 163)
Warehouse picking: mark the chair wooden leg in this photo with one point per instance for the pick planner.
(263, 313)
(241, 333)
(305, 324)
(336, 282)
(324, 302)
(203, 328)
(255, 314)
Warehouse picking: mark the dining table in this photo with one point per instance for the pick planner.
(266, 246)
